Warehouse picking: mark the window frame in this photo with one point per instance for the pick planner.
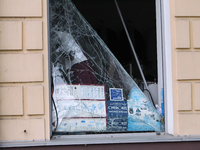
(164, 67)
(167, 65)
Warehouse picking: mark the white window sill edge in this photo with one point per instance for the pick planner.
(64, 140)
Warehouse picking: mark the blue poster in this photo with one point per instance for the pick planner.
(117, 116)
(142, 115)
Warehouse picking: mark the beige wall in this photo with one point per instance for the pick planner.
(185, 34)
(24, 88)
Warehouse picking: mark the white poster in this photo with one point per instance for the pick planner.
(84, 124)
(66, 92)
(74, 102)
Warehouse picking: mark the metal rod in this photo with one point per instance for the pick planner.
(131, 44)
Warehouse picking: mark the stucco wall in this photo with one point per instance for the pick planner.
(24, 88)
(185, 34)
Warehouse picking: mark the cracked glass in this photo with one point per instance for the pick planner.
(91, 91)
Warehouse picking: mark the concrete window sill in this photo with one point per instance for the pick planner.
(102, 139)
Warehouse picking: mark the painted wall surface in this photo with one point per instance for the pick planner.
(185, 34)
(24, 88)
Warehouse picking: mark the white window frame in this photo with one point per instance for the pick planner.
(167, 66)
(164, 65)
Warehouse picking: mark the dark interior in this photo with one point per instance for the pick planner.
(140, 19)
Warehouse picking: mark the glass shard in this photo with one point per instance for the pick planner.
(91, 90)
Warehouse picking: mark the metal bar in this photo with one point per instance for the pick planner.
(131, 44)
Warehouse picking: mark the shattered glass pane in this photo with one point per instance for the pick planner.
(91, 90)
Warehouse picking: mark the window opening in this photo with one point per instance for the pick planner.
(91, 89)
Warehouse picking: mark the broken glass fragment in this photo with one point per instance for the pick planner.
(91, 90)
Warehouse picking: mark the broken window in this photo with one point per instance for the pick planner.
(91, 90)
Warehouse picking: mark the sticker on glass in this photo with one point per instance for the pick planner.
(116, 94)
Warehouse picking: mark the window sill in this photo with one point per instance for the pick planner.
(102, 139)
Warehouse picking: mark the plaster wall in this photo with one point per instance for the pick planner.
(24, 87)
(185, 39)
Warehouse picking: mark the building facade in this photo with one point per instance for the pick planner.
(25, 90)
